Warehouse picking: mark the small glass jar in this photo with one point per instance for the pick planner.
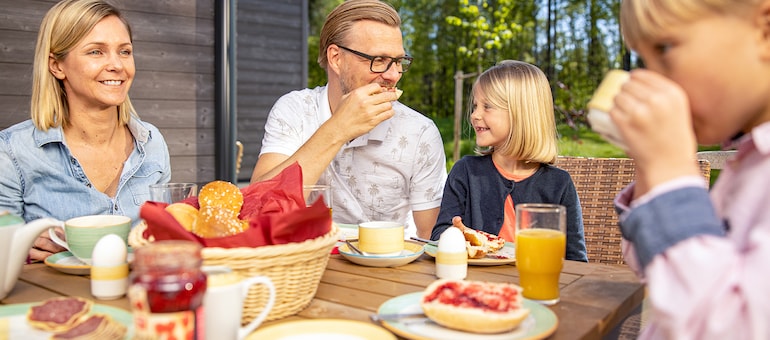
(167, 289)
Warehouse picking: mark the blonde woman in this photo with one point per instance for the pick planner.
(84, 151)
(512, 115)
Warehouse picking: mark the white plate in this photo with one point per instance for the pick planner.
(540, 323)
(503, 256)
(67, 263)
(321, 329)
(14, 317)
(412, 250)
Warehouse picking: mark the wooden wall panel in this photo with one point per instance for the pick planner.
(16, 46)
(16, 79)
(192, 168)
(14, 109)
(178, 113)
(272, 60)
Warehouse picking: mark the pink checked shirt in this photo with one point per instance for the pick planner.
(709, 287)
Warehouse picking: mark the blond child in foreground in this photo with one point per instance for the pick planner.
(707, 81)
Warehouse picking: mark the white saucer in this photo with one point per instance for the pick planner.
(412, 250)
(67, 263)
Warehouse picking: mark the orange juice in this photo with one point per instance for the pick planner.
(539, 258)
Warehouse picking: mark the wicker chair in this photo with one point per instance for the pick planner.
(598, 181)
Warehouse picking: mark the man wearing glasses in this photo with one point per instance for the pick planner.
(382, 159)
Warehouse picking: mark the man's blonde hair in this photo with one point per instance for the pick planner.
(645, 20)
(65, 24)
(339, 22)
(523, 91)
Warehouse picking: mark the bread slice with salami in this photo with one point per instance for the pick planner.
(58, 314)
(69, 318)
(96, 327)
(474, 306)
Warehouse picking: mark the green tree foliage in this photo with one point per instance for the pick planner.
(574, 41)
(318, 11)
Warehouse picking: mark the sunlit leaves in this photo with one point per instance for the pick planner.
(487, 25)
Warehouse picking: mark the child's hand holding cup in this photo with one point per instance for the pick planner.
(601, 103)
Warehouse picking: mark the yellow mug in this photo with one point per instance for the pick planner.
(381, 238)
(602, 102)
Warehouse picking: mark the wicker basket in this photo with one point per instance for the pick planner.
(294, 268)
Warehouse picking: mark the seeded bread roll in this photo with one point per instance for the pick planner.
(221, 194)
(220, 204)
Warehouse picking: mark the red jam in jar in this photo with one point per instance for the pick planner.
(167, 288)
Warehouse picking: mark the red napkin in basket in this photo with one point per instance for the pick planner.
(275, 209)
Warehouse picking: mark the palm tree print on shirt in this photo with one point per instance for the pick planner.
(402, 143)
(374, 190)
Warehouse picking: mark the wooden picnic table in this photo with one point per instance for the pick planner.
(595, 298)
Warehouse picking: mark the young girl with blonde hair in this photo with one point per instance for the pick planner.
(513, 118)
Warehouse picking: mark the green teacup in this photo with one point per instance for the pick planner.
(83, 233)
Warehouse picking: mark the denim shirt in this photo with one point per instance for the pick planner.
(39, 176)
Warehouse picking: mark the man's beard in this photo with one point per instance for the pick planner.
(347, 84)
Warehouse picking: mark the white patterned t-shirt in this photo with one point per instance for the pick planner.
(397, 167)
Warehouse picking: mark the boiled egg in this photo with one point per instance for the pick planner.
(109, 251)
(451, 241)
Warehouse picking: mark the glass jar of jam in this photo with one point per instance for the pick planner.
(167, 288)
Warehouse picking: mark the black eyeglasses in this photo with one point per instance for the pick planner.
(382, 64)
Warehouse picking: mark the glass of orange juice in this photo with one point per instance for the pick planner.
(541, 243)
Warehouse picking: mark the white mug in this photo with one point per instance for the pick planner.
(223, 303)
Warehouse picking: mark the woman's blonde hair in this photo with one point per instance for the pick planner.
(523, 90)
(645, 20)
(65, 24)
(339, 22)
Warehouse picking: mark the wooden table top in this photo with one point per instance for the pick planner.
(594, 297)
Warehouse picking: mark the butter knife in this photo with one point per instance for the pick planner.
(433, 243)
(379, 318)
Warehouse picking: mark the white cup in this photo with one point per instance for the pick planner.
(223, 303)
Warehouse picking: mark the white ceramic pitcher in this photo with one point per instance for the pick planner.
(16, 238)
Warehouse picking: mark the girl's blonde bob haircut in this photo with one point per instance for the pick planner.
(65, 24)
(340, 21)
(523, 90)
(644, 21)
